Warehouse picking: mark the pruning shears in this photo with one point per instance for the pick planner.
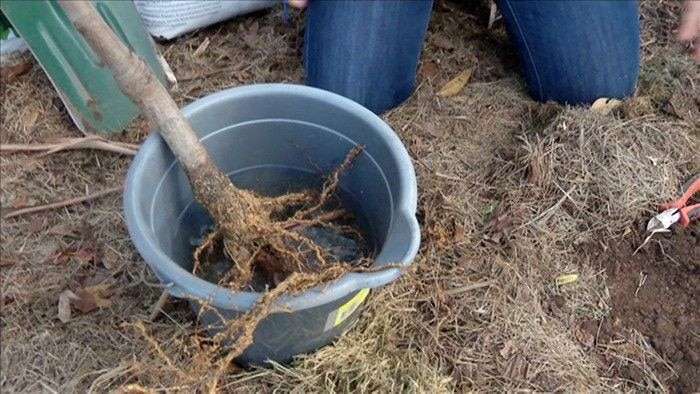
(679, 211)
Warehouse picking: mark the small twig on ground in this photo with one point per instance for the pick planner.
(450, 177)
(158, 306)
(91, 142)
(550, 210)
(473, 286)
(61, 204)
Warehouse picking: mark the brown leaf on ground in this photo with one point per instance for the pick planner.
(60, 256)
(110, 259)
(64, 229)
(501, 223)
(459, 234)
(10, 73)
(86, 255)
(456, 85)
(7, 262)
(684, 106)
(36, 224)
(91, 298)
(250, 37)
(21, 201)
(29, 118)
(638, 106)
(442, 42)
(428, 70)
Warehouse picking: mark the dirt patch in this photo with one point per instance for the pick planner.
(657, 293)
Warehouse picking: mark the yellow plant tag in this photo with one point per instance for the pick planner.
(346, 309)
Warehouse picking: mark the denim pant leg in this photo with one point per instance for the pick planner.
(576, 51)
(365, 50)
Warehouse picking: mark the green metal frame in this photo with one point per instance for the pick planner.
(86, 87)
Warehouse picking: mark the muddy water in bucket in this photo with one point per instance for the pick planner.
(342, 246)
(276, 139)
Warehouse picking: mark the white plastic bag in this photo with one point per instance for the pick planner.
(166, 19)
(11, 47)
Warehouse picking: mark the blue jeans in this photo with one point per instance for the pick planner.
(570, 51)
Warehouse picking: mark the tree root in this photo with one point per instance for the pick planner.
(243, 328)
(331, 184)
(253, 238)
(206, 246)
(248, 226)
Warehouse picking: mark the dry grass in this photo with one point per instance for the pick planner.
(512, 194)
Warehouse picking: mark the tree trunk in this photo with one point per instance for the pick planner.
(228, 205)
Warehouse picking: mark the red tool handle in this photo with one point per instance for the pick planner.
(690, 212)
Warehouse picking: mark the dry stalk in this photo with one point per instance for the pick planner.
(61, 204)
(90, 142)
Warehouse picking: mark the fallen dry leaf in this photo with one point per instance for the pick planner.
(60, 256)
(250, 37)
(10, 73)
(36, 224)
(428, 70)
(605, 105)
(110, 259)
(85, 255)
(64, 229)
(456, 85)
(64, 300)
(517, 367)
(134, 389)
(507, 349)
(29, 118)
(20, 202)
(684, 106)
(6, 262)
(442, 42)
(459, 234)
(91, 298)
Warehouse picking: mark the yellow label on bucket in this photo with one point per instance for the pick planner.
(349, 307)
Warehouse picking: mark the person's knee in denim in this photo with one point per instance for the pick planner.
(570, 51)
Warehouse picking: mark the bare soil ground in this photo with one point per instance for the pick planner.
(657, 293)
(513, 194)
